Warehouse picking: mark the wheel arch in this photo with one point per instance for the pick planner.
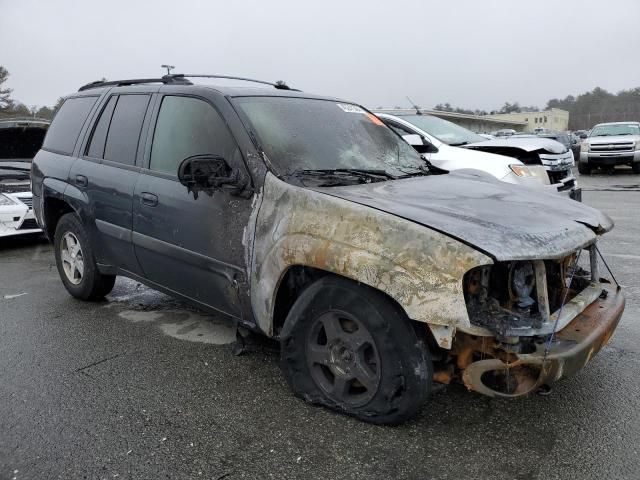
(58, 199)
(296, 278)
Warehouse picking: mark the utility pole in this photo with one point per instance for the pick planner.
(169, 68)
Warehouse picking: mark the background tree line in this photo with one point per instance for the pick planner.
(585, 110)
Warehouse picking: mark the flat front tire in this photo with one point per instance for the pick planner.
(584, 168)
(350, 348)
(75, 261)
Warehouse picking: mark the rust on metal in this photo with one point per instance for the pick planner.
(419, 268)
(517, 374)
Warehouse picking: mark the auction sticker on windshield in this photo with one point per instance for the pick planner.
(350, 108)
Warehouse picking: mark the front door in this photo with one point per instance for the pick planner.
(191, 246)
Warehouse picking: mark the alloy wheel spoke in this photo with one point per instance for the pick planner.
(65, 257)
(332, 328)
(341, 385)
(80, 266)
(364, 374)
(359, 339)
(319, 354)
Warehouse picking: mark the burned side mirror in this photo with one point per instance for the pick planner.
(208, 173)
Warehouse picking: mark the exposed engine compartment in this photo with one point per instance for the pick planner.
(516, 298)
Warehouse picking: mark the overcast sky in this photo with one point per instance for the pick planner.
(470, 53)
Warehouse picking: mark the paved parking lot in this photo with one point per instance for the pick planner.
(140, 386)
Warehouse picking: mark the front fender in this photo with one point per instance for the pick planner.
(418, 267)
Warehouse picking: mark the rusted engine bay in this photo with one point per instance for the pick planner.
(516, 298)
(516, 308)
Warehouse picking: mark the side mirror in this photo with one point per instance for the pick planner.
(414, 140)
(207, 173)
(419, 143)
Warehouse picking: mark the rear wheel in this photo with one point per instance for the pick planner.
(351, 349)
(584, 168)
(76, 264)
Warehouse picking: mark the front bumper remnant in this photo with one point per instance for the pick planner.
(572, 348)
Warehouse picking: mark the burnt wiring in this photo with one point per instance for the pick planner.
(608, 269)
(564, 301)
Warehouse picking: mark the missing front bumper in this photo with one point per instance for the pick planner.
(572, 348)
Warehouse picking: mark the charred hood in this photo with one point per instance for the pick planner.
(507, 222)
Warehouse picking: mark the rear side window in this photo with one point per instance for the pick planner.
(63, 132)
(124, 131)
(185, 127)
(99, 137)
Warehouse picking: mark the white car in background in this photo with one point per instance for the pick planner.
(449, 157)
(20, 140)
(532, 160)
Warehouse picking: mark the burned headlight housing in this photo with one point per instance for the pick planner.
(522, 281)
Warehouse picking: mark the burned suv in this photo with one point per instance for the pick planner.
(307, 219)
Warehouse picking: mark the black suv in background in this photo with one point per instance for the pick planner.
(307, 219)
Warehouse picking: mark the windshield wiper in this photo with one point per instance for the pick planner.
(353, 172)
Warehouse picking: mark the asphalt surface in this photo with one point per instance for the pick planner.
(140, 386)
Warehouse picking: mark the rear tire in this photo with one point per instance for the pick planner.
(584, 168)
(76, 263)
(349, 348)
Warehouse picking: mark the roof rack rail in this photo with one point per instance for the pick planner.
(166, 79)
(280, 85)
(178, 79)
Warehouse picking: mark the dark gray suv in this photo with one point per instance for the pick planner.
(307, 219)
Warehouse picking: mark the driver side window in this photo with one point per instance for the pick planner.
(185, 127)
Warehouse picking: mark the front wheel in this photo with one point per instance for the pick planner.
(76, 264)
(584, 168)
(350, 348)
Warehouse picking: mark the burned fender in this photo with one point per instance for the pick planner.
(418, 267)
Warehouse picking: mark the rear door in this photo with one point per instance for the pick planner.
(107, 173)
(191, 246)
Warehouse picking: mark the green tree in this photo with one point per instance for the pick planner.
(5, 93)
(510, 108)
